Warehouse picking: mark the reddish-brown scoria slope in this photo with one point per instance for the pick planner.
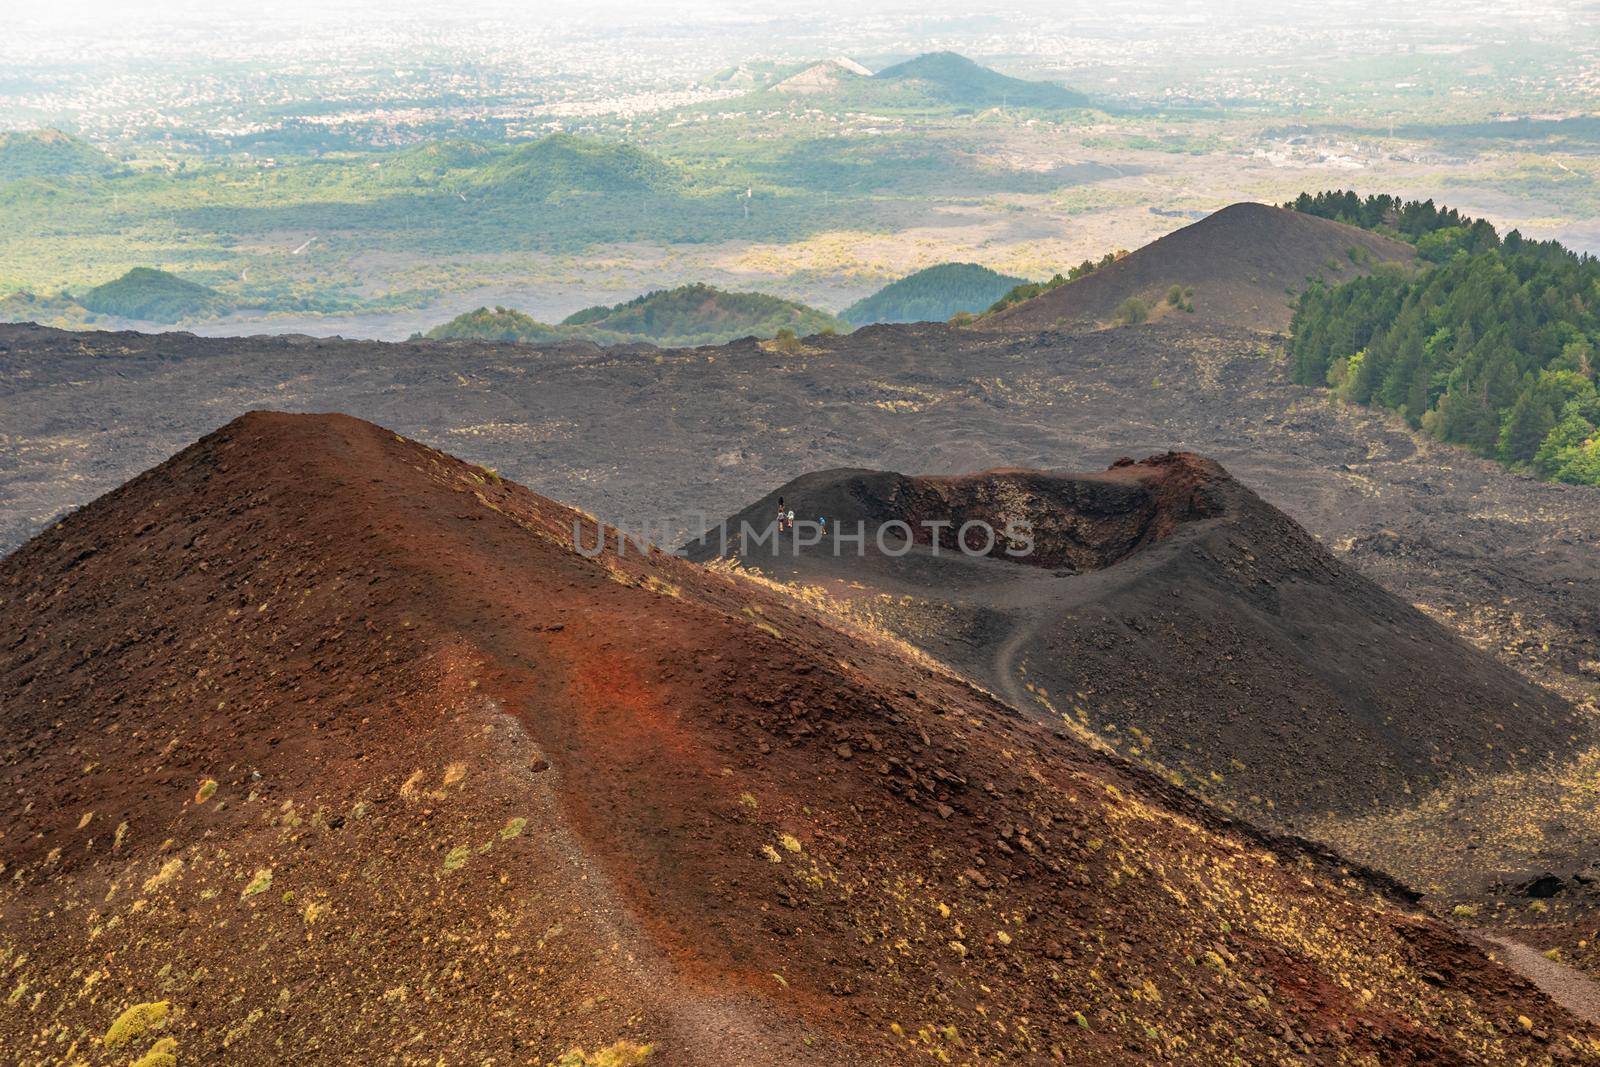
(321, 746)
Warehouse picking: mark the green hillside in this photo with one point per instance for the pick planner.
(50, 154)
(435, 160)
(497, 324)
(1494, 348)
(690, 315)
(932, 295)
(952, 79)
(553, 167)
(58, 310)
(561, 166)
(153, 296)
(703, 314)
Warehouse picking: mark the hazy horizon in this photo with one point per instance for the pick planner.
(1178, 109)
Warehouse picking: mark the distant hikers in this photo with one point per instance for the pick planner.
(785, 517)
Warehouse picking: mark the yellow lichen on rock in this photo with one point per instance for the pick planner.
(167, 873)
(259, 884)
(621, 1054)
(135, 1022)
(163, 1053)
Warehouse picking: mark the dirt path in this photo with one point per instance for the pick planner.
(1565, 985)
(1005, 666)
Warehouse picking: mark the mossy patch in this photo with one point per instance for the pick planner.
(163, 1053)
(135, 1022)
(259, 884)
(167, 873)
(513, 828)
(621, 1054)
(457, 858)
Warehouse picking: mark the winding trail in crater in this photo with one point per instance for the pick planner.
(1561, 982)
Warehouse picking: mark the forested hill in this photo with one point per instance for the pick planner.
(1438, 232)
(1494, 347)
(51, 155)
(689, 315)
(933, 294)
(153, 296)
(703, 314)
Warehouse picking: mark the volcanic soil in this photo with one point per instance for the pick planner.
(1506, 563)
(324, 746)
(1165, 609)
(1510, 563)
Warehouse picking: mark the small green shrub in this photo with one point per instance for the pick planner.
(1132, 311)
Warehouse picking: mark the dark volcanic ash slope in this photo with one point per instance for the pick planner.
(1168, 609)
(1242, 263)
(322, 746)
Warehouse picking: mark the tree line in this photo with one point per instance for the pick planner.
(1490, 344)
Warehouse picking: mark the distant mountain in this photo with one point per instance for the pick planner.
(949, 78)
(935, 80)
(825, 77)
(750, 75)
(932, 295)
(153, 296)
(1240, 266)
(689, 315)
(50, 154)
